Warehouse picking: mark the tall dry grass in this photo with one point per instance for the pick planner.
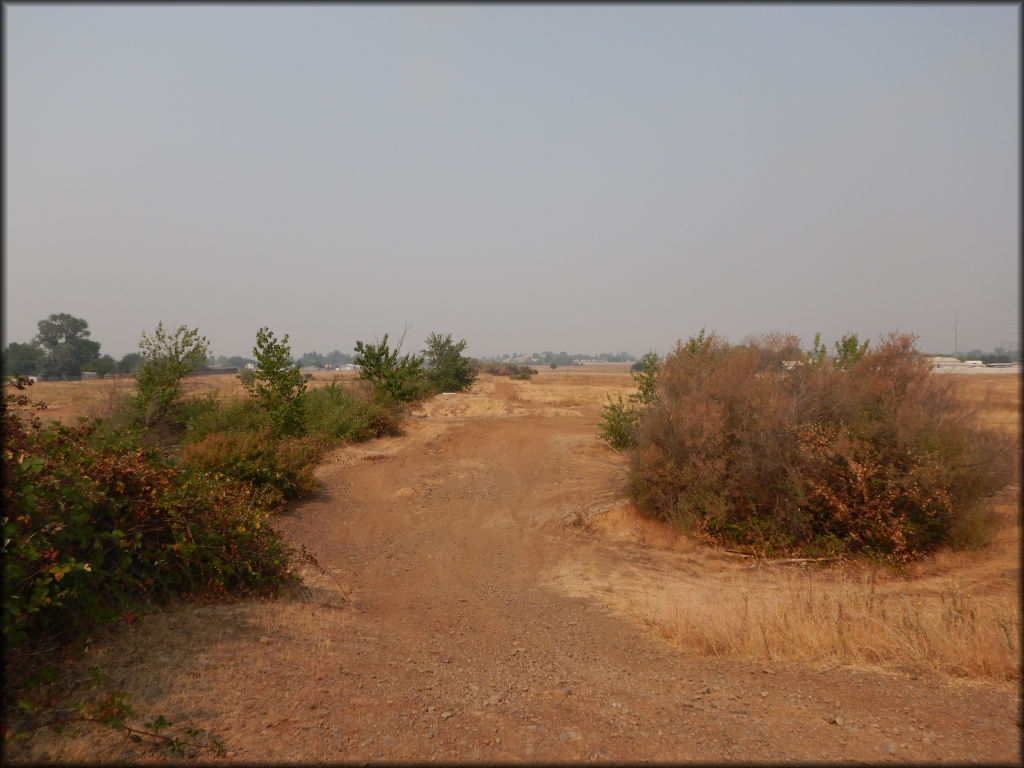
(837, 618)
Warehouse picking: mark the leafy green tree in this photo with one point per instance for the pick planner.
(277, 382)
(66, 341)
(620, 420)
(22, 359)
(646, 379)
(400, 379)
(167, 358)
(129, 363)
(816, 356)
(312, 358)
(337, 357)
(849, 351)
(101, 365)
(449, 371)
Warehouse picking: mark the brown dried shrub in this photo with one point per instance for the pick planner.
(882, 459)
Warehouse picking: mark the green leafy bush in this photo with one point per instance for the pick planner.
(336, 413)
(209, 416)
(166, 359)
(94, 521)
(401, 379)
(874, 456)
(277, 383)
(279, 468)
(619, 419)
(449, 371)
(618, 422)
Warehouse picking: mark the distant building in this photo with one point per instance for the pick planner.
(939, 361)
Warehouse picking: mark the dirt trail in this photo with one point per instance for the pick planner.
(446, 627)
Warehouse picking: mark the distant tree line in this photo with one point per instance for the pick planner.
(560, 358)
(63, 349)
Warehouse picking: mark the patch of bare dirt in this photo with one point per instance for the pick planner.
(483, 601)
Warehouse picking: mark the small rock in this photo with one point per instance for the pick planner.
(890, 747)
(446, 715)
(264, 639)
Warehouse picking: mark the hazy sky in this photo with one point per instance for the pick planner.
(528, 178)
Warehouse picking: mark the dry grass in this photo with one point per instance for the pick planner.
(955, 614)
(69, 400)
(584, 385)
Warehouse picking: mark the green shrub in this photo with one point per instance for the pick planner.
(280, 468)
(875, 456)
(277, 383)
(620, 420)
(400, 379)
(336, 413)
(243, 415)
(166, 359)
(95, 521)
(449, 371)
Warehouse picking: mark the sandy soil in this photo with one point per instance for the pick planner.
(475, 608)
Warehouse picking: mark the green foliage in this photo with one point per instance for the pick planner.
(129, 363)
(399, 379)
(102, 365)
(878, 459)
(277, 383)
(618, 422)
(209, 416)
(513, 371)
(619, 419)
(235, 361)
(816, 356)
(646, 379)
(449, 370)
(334, 358)
(335, 413)
(94, 521)
(67, 346)
(277, 469)
(167, 358)
(848, 351)
(22, 359)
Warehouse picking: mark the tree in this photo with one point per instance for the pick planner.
(129, 363)
(848, 351)
(22, 359)
(166, 360)
(621, 420)
(312, 358)
(277, 382)
(394, 378)
(68, 348)
(101, 365)
(449, 371)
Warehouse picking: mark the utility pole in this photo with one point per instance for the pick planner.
(956, 319)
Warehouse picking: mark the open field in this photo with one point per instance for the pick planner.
(489, 594)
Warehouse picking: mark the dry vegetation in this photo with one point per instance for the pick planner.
(956, 614)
